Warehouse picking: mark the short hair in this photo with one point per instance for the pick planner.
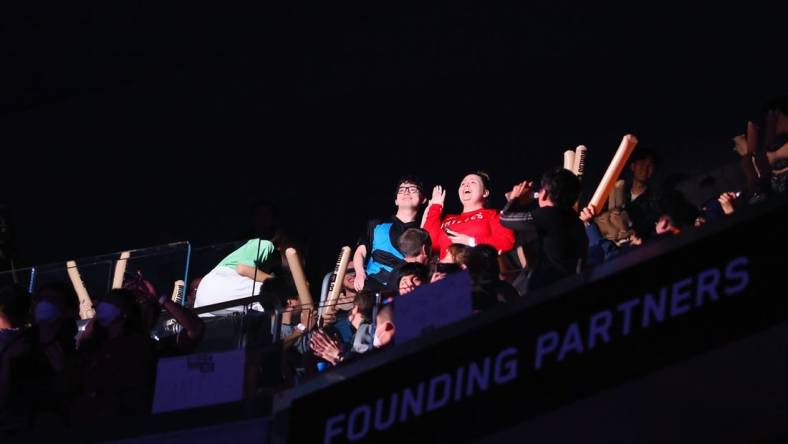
(63, 294)
(561, 186)
(412, 240)
(645, 153)
(131, 304)
(482, 261)
(411, 269)
(779, 103)
(409, 178)
(365, 301)
(15, 304)
(459, 253)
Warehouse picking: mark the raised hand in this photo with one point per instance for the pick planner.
(438, 195)
(521, 192)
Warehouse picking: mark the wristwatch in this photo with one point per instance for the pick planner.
(301, 327)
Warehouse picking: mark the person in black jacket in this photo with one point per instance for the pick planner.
(554, 226)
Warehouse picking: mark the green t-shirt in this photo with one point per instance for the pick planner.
(247, 254)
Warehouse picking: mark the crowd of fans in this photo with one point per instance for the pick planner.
(51, 372)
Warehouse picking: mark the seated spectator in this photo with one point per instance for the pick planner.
(55, 314)
(410, 276)
(191, 326)
(488, 288)
(377, 252)
(415, 244)
(452, 262)
(442, 270)
(240, 274)
(21, 377)
(456, 254)
(476, 224)
(677, 214)
(119, 374)
(563, 244)
(643, 199)
(331, 349)
(777, 142)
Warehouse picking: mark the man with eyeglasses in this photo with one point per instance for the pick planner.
(377, 252)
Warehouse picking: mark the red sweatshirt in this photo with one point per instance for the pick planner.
(483, 225)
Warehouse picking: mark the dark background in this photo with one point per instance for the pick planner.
(128, 124)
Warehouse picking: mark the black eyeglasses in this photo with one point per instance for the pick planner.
(411, 190)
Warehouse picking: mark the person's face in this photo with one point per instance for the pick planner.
(409, 283)
(48, 309)
(408, 196)
(350, 276)
(642, 169)
(355, 316)
(472, 189)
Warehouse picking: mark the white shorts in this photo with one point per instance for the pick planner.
(224, 284)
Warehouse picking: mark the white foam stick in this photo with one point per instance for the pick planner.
(569, 160)
(86, 310)
(620, 159)
(177, 292)
(120, 270)
(337, 282)
(294, 262)
(580, 160)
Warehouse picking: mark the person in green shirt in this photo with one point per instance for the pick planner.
(239, 275)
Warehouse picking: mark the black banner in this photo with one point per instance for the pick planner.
(721, 287)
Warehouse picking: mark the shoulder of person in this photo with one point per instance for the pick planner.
(262, 243)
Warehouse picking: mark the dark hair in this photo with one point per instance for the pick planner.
(779, 103)
(680, 210)
(272, 264)
(64, 293)
(410, 269)
(448, 268)
(365, 301)
(409, 178)
(482, 262)
(15, 304)
(459, 253)
(412, 240)
(645, 153)
(265, 203)
(131, 304)
(279, 290)
(561, 186)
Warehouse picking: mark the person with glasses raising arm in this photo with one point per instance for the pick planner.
(377, 252)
